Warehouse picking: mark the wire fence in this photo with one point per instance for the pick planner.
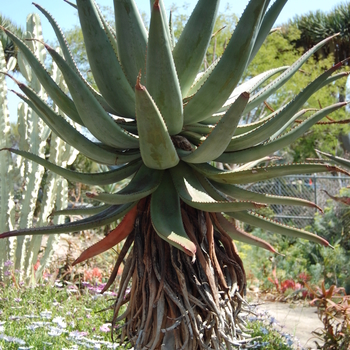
(309, 187)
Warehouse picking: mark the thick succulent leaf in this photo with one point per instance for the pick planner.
(217, 141)
(263, 150)
(194, 138)
(335, 77)
(91, 210)
(192, 45)
(69, 58)
(193, 193)
(199, 81)
(113, 238)
(110, 32)
(156, 146)
(94, 117)
(267, 23)
(145, 182)
(280, 117)
(199, 128)
(212, 120)
(166, 217)
(220, 191)
(245, 195)
(227, 73)
(238, 234)
(274, 226)
(290, 122)
(171, 29)
(244, 128)
(339, 160)
(71, 4)
(211, 190)
(262, 173)
(131, 38)
(105, 217)
(164, 15)
(106, 69)
(255, 163)
(162, 81)
(267, 91)
(97, 179)
(57, 95)
(60, 36)
(69, 134)
(250, 85)
(345, 200)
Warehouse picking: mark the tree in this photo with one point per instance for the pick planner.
(318, 25)
(9, 48)
(179, 209)
(315, 26)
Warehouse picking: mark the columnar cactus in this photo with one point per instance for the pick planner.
(171, 127)
(7, 205)
(33, 135)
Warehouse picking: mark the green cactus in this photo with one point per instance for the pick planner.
(33, 135)
(7, 204)
(155, 117)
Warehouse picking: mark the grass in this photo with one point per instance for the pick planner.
(270, 338)
(58, 315)
(55, 317)
(63, 317)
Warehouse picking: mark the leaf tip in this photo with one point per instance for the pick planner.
(6, 234)
(246, 94)
(76, 261)
(138, 85)
(156, 5)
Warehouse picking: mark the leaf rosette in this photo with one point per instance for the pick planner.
(172, 127)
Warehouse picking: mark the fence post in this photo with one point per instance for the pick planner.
(315, 189)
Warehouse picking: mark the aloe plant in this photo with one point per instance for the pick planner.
(172, 127)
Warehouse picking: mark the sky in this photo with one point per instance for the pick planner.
(66, 17)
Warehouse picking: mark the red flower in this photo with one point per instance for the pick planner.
(93, 275)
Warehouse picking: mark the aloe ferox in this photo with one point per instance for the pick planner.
(172, 127)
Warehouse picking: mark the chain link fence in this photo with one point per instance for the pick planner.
(309, 187)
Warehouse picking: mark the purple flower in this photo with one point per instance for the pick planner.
(77, 334)
(8, 263)
(17, 300)
(264, 330)
(7, 273)
(105, 328)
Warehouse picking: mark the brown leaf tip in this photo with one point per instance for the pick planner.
(156, 5)
(138, 85)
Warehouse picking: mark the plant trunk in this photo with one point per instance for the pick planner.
(173, 302)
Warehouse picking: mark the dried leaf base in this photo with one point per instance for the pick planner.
(176, 303)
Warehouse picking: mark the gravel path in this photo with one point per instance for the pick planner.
(299, 320)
